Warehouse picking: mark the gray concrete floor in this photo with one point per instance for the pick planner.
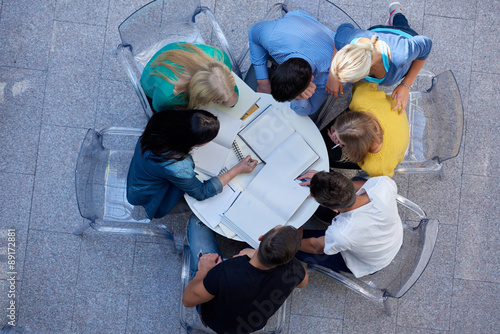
(58, 77)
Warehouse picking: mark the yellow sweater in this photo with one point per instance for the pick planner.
(396, 137)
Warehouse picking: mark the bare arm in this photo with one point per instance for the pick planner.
(195, 293)
(333, 86)
(313, 245)
(246, 165)
(401, 92)
(264, 86)
(358, 184)
(304, 281)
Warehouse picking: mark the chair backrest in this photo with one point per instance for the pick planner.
(101, 176)
(190, 319)
(101, 184)
(436, 125)
(408, 265)
(159, 23)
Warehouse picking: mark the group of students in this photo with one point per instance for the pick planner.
(310, 62)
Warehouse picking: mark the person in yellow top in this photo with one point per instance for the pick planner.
(372, 135)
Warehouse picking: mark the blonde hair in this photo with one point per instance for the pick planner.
(358, 131)
(352, 63)
(207, 79)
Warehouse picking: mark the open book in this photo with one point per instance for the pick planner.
(275, 141)
(210, 157)
(261, 207)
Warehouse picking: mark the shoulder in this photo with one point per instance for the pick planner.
(181, 169)
(345, 27)
(380, 185)
(292, 272)
(420, 40)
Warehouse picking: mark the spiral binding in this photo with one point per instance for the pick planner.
(237, 150)
(238, 153)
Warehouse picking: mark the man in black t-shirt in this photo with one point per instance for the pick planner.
(239, 295)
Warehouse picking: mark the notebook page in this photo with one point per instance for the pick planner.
(212, 208)
(293, 156)
(250, 218)
(210, 158)
(284, 196)
(266, 132)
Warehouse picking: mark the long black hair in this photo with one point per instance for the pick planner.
(171, 134)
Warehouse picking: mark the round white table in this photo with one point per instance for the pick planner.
(308, 130)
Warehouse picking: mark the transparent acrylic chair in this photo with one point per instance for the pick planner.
(436, 121)
(159, 23)
(396, 279)
(190, 319)
(101, 185)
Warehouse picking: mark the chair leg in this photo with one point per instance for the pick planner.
(79, 230)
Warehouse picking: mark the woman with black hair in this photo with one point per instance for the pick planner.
(162, 169)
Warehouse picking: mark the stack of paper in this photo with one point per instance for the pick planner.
(270, 200)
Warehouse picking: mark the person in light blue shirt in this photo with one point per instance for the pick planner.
(162, 168)
(384, 55)
(303, 49)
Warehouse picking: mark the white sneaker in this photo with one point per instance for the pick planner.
(394, 8)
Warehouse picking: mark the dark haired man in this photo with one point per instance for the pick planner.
(366, 234)
(239, 295)
(303, 48)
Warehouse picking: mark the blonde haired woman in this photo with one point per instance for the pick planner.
(373, 136)
(192, 75)
(381, 54)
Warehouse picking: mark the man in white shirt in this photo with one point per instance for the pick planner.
(366, 234)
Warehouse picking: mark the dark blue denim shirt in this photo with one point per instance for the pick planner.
(158, 186)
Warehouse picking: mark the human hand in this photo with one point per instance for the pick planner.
(264, 86)
(333, 136)
(247, 251)
(208, 261)
(246, 165)
(233, 99)
(308, 92)
(401, 93)
(334, 86)
(307, 176)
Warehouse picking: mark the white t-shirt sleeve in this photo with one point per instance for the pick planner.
(335, 240)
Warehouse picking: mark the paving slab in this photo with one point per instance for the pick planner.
(364, 316)
(105, 263)
(72, 84)
(25, 33)
(478, 250)
(118, 105)
(475, 307)
(311, 325)
(486, 54)
(481, 151)
(93, 12)
(99, 312)
(320, 290)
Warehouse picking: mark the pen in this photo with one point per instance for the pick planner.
(335, 146)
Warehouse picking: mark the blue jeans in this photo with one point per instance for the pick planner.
(334, 262)
(201, 241)
(399, 22)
